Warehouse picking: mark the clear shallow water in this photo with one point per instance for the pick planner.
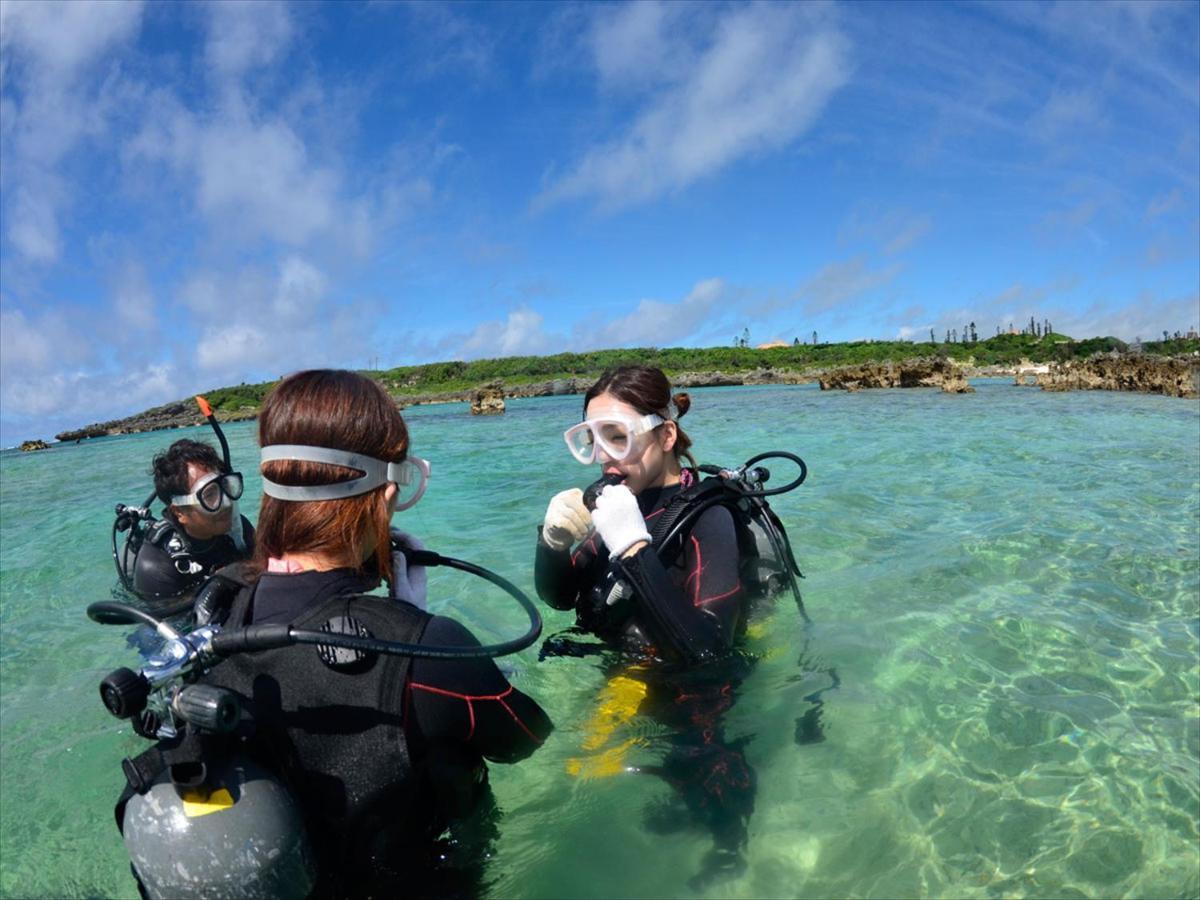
(1007, 585)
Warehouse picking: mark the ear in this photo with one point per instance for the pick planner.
(389, 496)
(670, 433)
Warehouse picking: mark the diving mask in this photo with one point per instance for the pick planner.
(614, 434)
(410, 476)
(213, 493)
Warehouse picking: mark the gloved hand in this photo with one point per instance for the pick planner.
(567, 520)
(408, 582)
(618, 519)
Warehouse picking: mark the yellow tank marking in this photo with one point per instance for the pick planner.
(200, 802)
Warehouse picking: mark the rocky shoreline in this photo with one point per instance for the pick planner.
(1170, 376)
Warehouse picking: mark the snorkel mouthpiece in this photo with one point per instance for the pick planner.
(592, 491)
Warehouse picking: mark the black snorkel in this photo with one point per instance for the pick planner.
(206, 411)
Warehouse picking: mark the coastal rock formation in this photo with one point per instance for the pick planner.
(30, 446)
(488, 400)
(181, 414)
(927, 372)
(1172, 376)
(1026, 373)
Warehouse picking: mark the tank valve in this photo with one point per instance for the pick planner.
(124, 693)
(209, 708)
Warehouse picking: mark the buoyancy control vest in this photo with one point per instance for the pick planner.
(766, 563)
(331, 723)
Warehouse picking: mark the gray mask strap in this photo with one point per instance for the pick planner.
(376, 472)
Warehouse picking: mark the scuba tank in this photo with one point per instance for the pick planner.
(203, 814)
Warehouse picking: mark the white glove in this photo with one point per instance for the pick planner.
(408, 582)
(567, 520)
(618, 519)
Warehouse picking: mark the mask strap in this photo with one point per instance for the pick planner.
(376, 472)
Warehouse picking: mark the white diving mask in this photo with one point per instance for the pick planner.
(410, 476)
(614, 434)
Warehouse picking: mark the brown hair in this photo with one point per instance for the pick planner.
(647, 390)
(344, 411)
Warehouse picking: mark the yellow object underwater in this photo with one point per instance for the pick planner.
(620, 699)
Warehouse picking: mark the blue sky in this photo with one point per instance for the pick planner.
(195, 195)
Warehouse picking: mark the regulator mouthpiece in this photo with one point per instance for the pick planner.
(592, 491)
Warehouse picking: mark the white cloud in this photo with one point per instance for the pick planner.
(33, 222)
(56, 39)
(245, 34)
(657, 323)
(520, 334)
(301, 288)
(908, 234)
(1163, 204)
(638, 44)
(38, 342)
(235, 347)
(842, 282)
(256, 177)
(761, 78)
(1067, 114)
(53, 99)
(1146, 317)
(134, 299)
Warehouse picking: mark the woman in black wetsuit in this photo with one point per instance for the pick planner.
(686, 612)
(382, 753)
(690, 610)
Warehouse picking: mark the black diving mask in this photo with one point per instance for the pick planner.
(210, 494)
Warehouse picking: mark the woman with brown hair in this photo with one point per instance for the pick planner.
(686, 611)
(690, 610)
(381, 751)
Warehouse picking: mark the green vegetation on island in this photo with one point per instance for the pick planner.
(455, 377)
(452, 380)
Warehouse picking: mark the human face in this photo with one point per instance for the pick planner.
(196, 521)
(649, 462)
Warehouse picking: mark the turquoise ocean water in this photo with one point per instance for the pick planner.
(1004, 590)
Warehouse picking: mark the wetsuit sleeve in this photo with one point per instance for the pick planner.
(469, 701)
(561, 576)
(698, 619)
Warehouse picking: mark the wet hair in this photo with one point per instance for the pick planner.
(341, 410)
(170, 468)
(647, 390)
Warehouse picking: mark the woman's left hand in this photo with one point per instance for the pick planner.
(618, 520)
(408, 582)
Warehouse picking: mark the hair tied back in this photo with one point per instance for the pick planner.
(683, 403)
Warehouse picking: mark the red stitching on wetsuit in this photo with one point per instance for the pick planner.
(469, 698)
(517, 719)
(696, 601)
